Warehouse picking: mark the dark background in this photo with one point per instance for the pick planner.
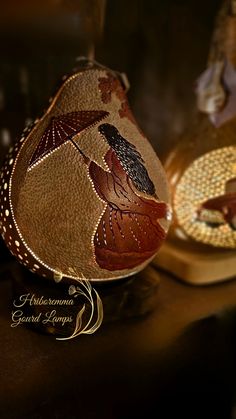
(180, 359)
(162, 45)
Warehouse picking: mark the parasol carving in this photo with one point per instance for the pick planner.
(62, 128)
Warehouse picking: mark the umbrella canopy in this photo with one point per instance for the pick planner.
(62, 128)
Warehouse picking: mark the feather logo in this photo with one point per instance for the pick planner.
(94, 320)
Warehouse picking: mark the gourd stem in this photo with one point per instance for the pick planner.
(97, 19)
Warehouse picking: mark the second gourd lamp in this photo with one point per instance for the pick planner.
(202, 170)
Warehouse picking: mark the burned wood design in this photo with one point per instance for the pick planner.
(128, 232)
(107, 86)
(221, 209)
(129, 157)
(62, 128)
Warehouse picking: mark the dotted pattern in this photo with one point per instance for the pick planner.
(53, 135)
(61, 129)
(205, 179)
(128, 232)
(8, 226)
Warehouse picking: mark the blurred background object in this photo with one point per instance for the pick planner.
(201, 169)
(40, 41)
(162, 45)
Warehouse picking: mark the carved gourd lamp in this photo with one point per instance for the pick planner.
(83, 195)
(202, 170)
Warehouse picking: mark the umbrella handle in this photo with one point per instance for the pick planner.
(85, 158)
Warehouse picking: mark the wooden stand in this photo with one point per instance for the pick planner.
(195, 264)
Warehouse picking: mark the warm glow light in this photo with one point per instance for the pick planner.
(206, 178)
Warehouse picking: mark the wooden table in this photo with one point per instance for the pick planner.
(176, 360)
